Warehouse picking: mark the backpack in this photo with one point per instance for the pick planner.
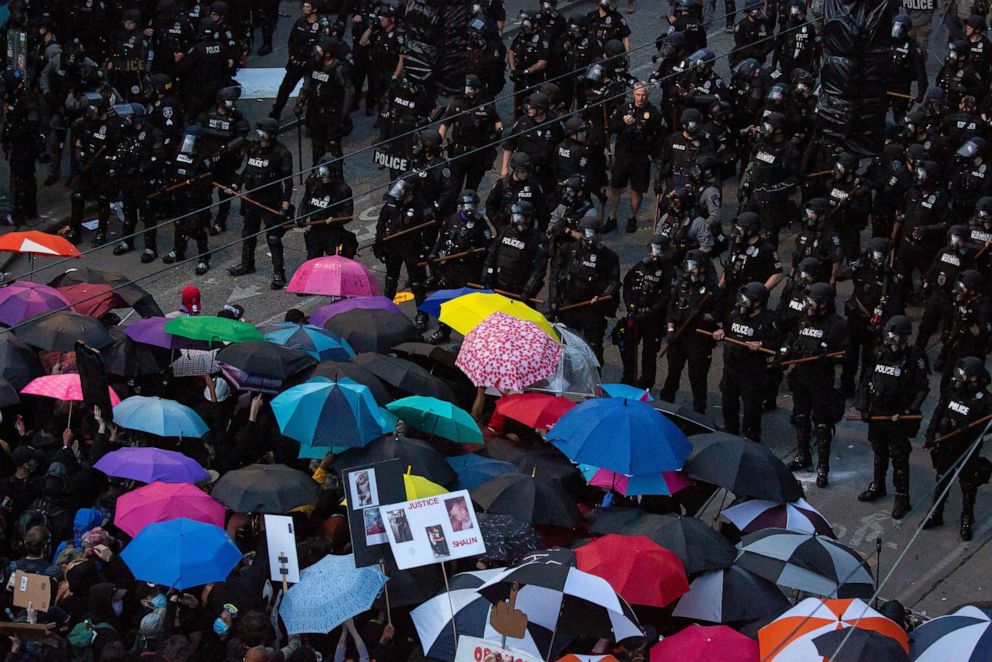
(81, 639)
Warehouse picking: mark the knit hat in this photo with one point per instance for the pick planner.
(191, 300)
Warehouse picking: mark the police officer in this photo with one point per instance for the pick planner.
(403, 211)
(704, 180)
(957, 77)
(894, 178)
(606, 23)
(695, 302)
(817, 237)
(406, 106)
(939, 282)
(325, 211)
(820, 332)
(528, 59)
(896, 387)
(266, 14)
(752, 257)
(327, 94)
(687, 18)
(979, 47)
(874, 299)
(573, 203)
(189, 196)
(517, 186)
(141, 159)
(725, 140)
(204, 68)
(684, 229)
(585, 282)
(957, 128)
(471, 126)
(537, 135)
(576, 49)
(638, 126)
(750, 327)
(798, 45)
(172, 33)
(94, 145)
(681, 151)
(485, 58)
(303, 36)
(980, 236)
(963, 401)
(647, 290)
(973, 179)
(850, 203)
(435, 185)
(971, 323)
(921, 224)
(518, 259)
(386, 43)
(751, 35)
(575, 156)
(129, 57)
(268, 179)
(907, 65)
(165, 111)
(21, 141)
(770, 178)
(224, 130)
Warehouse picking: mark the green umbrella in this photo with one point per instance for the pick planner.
(213, 329)
(438, 417)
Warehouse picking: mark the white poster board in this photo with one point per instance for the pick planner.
(281, 538)
(433, 530)
(263, 82)
(474, 649)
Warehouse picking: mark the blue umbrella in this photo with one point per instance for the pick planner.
(432, 304)
(627, 391)
(181, 553)
(320, 413)
(474, 470)
(329, 593)
(320, 344)
(621, 435)
(165, 418)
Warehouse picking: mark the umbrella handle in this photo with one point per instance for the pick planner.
(451, 605)
(385, 588)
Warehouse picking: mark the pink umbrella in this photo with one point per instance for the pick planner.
(160, 502)
(507, 353)
(65, 386)
(698, 643)
(666, 482)
(334, 276)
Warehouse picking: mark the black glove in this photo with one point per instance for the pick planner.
(930, 440)
(301, 222)
(377, 250)
(553, 309)
(516, 75)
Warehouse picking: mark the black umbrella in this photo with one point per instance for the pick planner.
(552, 466)
(684, 418)
(699, 546)
(529, 499)
(859, 645)
(336, 370)
(426, 355)
(135, 296)
(411, 586)
(8, 394)
(128, 358)
(420, 457)
(507, 538)
(741, 466)
(266, 359)
(373, 330)
(731, 595)
(19, 364)
(59, 332)
(405, 376)
(265, 488)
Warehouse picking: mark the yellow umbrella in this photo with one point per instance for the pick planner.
(466, 312)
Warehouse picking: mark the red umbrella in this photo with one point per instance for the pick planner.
(698, 643)
(93, 300)
(34, 243)
(639, 569)
(536, 410)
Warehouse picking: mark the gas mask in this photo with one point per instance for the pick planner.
(893, 341)
(263, 136)
(739, 236)
(961, 292)
(962, 381)
(802, 89)
(526, 24)
(795, 11)
(878, 258)
(470, 91)
(805, 278)
(984, 218)
(324, 173)
(767, 130)
(810, 218)
(656, 254)
(691, 127)
(744, 305)
(521, 174)
(957, 243)
(468, 210)
(694, 271)
(588, 236)
(898, 30)
(607, 4)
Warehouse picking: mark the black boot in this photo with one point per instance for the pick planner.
(936, 518)
(900, 480)
(202, 267)
(900, 506)
(278, 279)
(148, 256)
(967, 512)
(803, 461)
(123, 247)
(278, 264)
(876, 489)
(631, 225)
(420, 321)
(247, 265)
(610, 225)
(442, 335)
(823, 438)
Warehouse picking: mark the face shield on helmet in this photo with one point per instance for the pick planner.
(767, 130)
(519, 218)
(588, 235)
(607, 4)
(694, 270)
(776, 95)
(656, 252)
(526, 23)
(878, 258)
(964, 380)
(893, 340)
(399, 190)
(805, 278)
(814, 307)
(468, 205)
(744, 304)
(797, 10)
(968, 151)
(899, 30)
(961, 292)
(811, 218)
(189, 144)
(477, 32)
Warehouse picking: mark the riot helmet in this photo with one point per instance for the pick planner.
(820, 300)
(751, 298)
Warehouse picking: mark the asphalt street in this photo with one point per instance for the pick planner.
(938, 572)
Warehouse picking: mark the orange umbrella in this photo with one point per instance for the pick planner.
(789, 638)
(33, 242)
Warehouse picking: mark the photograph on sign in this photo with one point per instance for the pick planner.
(433, 530)
(364, 492)
(375, 530)
(367, 488)
(281, 541)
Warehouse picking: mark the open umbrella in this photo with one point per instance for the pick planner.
(660, 483)
(507, 538)
(625, 436)
(163, 418)
(789, 638)
(698, 643)
(213, 329)
(133, 294)
(859, 645)
(627, 391)
(469, 311)
(9, 397)
(507, 353)
(432, 304)
(265, 488)
(437, 417)
(64, 386)
(474, 470)
(314, 340)
(807, 562)
(181, 553)
(420, 457)
(19, 364)
(129, 358)
(321, 413)
(427, 356)
(330, 592)
(60, 331)
(963, 636)
(730, 595)
(335, 371)
(685, 419)
(324, 313)
(741, 466)
(151, 331)
(373, 330)
(529, 499)
(334, 276)
(404, 376)
(641, 571)
(161, 502)
(34, 243)
(23, 300)
(757, 514)
(266, 359)
(536, 410)
(577, 372)
(149, 465)
(93, 299)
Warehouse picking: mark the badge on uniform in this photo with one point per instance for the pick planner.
(751, 251)
(592, 258)
(647, 115)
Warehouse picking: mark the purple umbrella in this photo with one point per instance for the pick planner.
(23, 300)
(151, 464)
(325, 313)
(150, 332)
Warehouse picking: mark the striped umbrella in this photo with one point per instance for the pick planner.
(319, 343)
(732, 595)
(757, 514)
(964, 636)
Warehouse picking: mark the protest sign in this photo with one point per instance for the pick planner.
(433, 530)
(284, 565)
(368, 487)
(474, 649)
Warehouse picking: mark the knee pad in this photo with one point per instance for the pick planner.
(824, 431)
(273, 239)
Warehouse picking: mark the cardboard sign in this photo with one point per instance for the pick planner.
(281, 539)
(27, 631)
(433, 530)
(474, 649)
(32, 589)
(369, 487)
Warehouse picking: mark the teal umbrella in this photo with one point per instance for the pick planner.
(437, 417)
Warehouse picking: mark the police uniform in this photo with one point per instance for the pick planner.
(539, 140)
(647, 289)
(938, 285)
(470, 125)
(204, 70)
(267, 178)
(607, 24)
(129, 59)
(968, 334)
(581, 270)
(528, 49)
(21, 138)
(925, 210)
(770, 183)
(820, 242)
(460, 234)
(745, 372)
(751, 263)
(508, 190)
(187, 203)
(850, 205)
(408, 251)
(678, 156)
(327, 94)
(321, 202)
(302, 38)
(221, 127)
(517, 261)
(750, 41)
(874, 299)
(635, 146)
(408, 105)
(798, 47)
(96, 141)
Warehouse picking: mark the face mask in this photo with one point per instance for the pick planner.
(691, 128)
(805, 278)
(118, 607)
(261, 135)
(877, 258)
(220, 626)
(743, 305)
(158, 602)
(893, 342)
(588, 235)
(811, 218)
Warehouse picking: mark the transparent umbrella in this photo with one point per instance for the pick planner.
(578, 368)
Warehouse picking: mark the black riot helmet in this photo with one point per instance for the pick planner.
(680, 199)
(797, 9)
(802, 82)
(267, 129)
(692, 121)
(957, 52)
(845, 165)
(696, 265)
(820, 300)
(897, 332)
(131, 16)
(522, 214)
(877, 251)
(746, 227)
(400, 191)
(537, 102)
(916, 123)
(468, 203)
(613, 48)
(776, 95)
(970, 375)
(607, 5)
(702, 60)
(572, 190)
(589, 226)
(160, 83)
(228, 96)
(190, 137)
(659, 249)
(477, 32)
(745, 72)
(576, 127)
(901, 25)
(926, 173)
(935, 100)
(577, 24)
(326, 46)
(751, 298)
(969, 284)
(684, 6)
(528, 21)
(206, 27)
(815, 211)
(983, 211)
(810, 271)
(721, 111)
(551, 91)
(520, 165)
(329, 168)
(704, 170)
(957, 235)
(595, 82)
(974, 148)
(772, 126)
(428, 142)
(673, 45)
(473, 84)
